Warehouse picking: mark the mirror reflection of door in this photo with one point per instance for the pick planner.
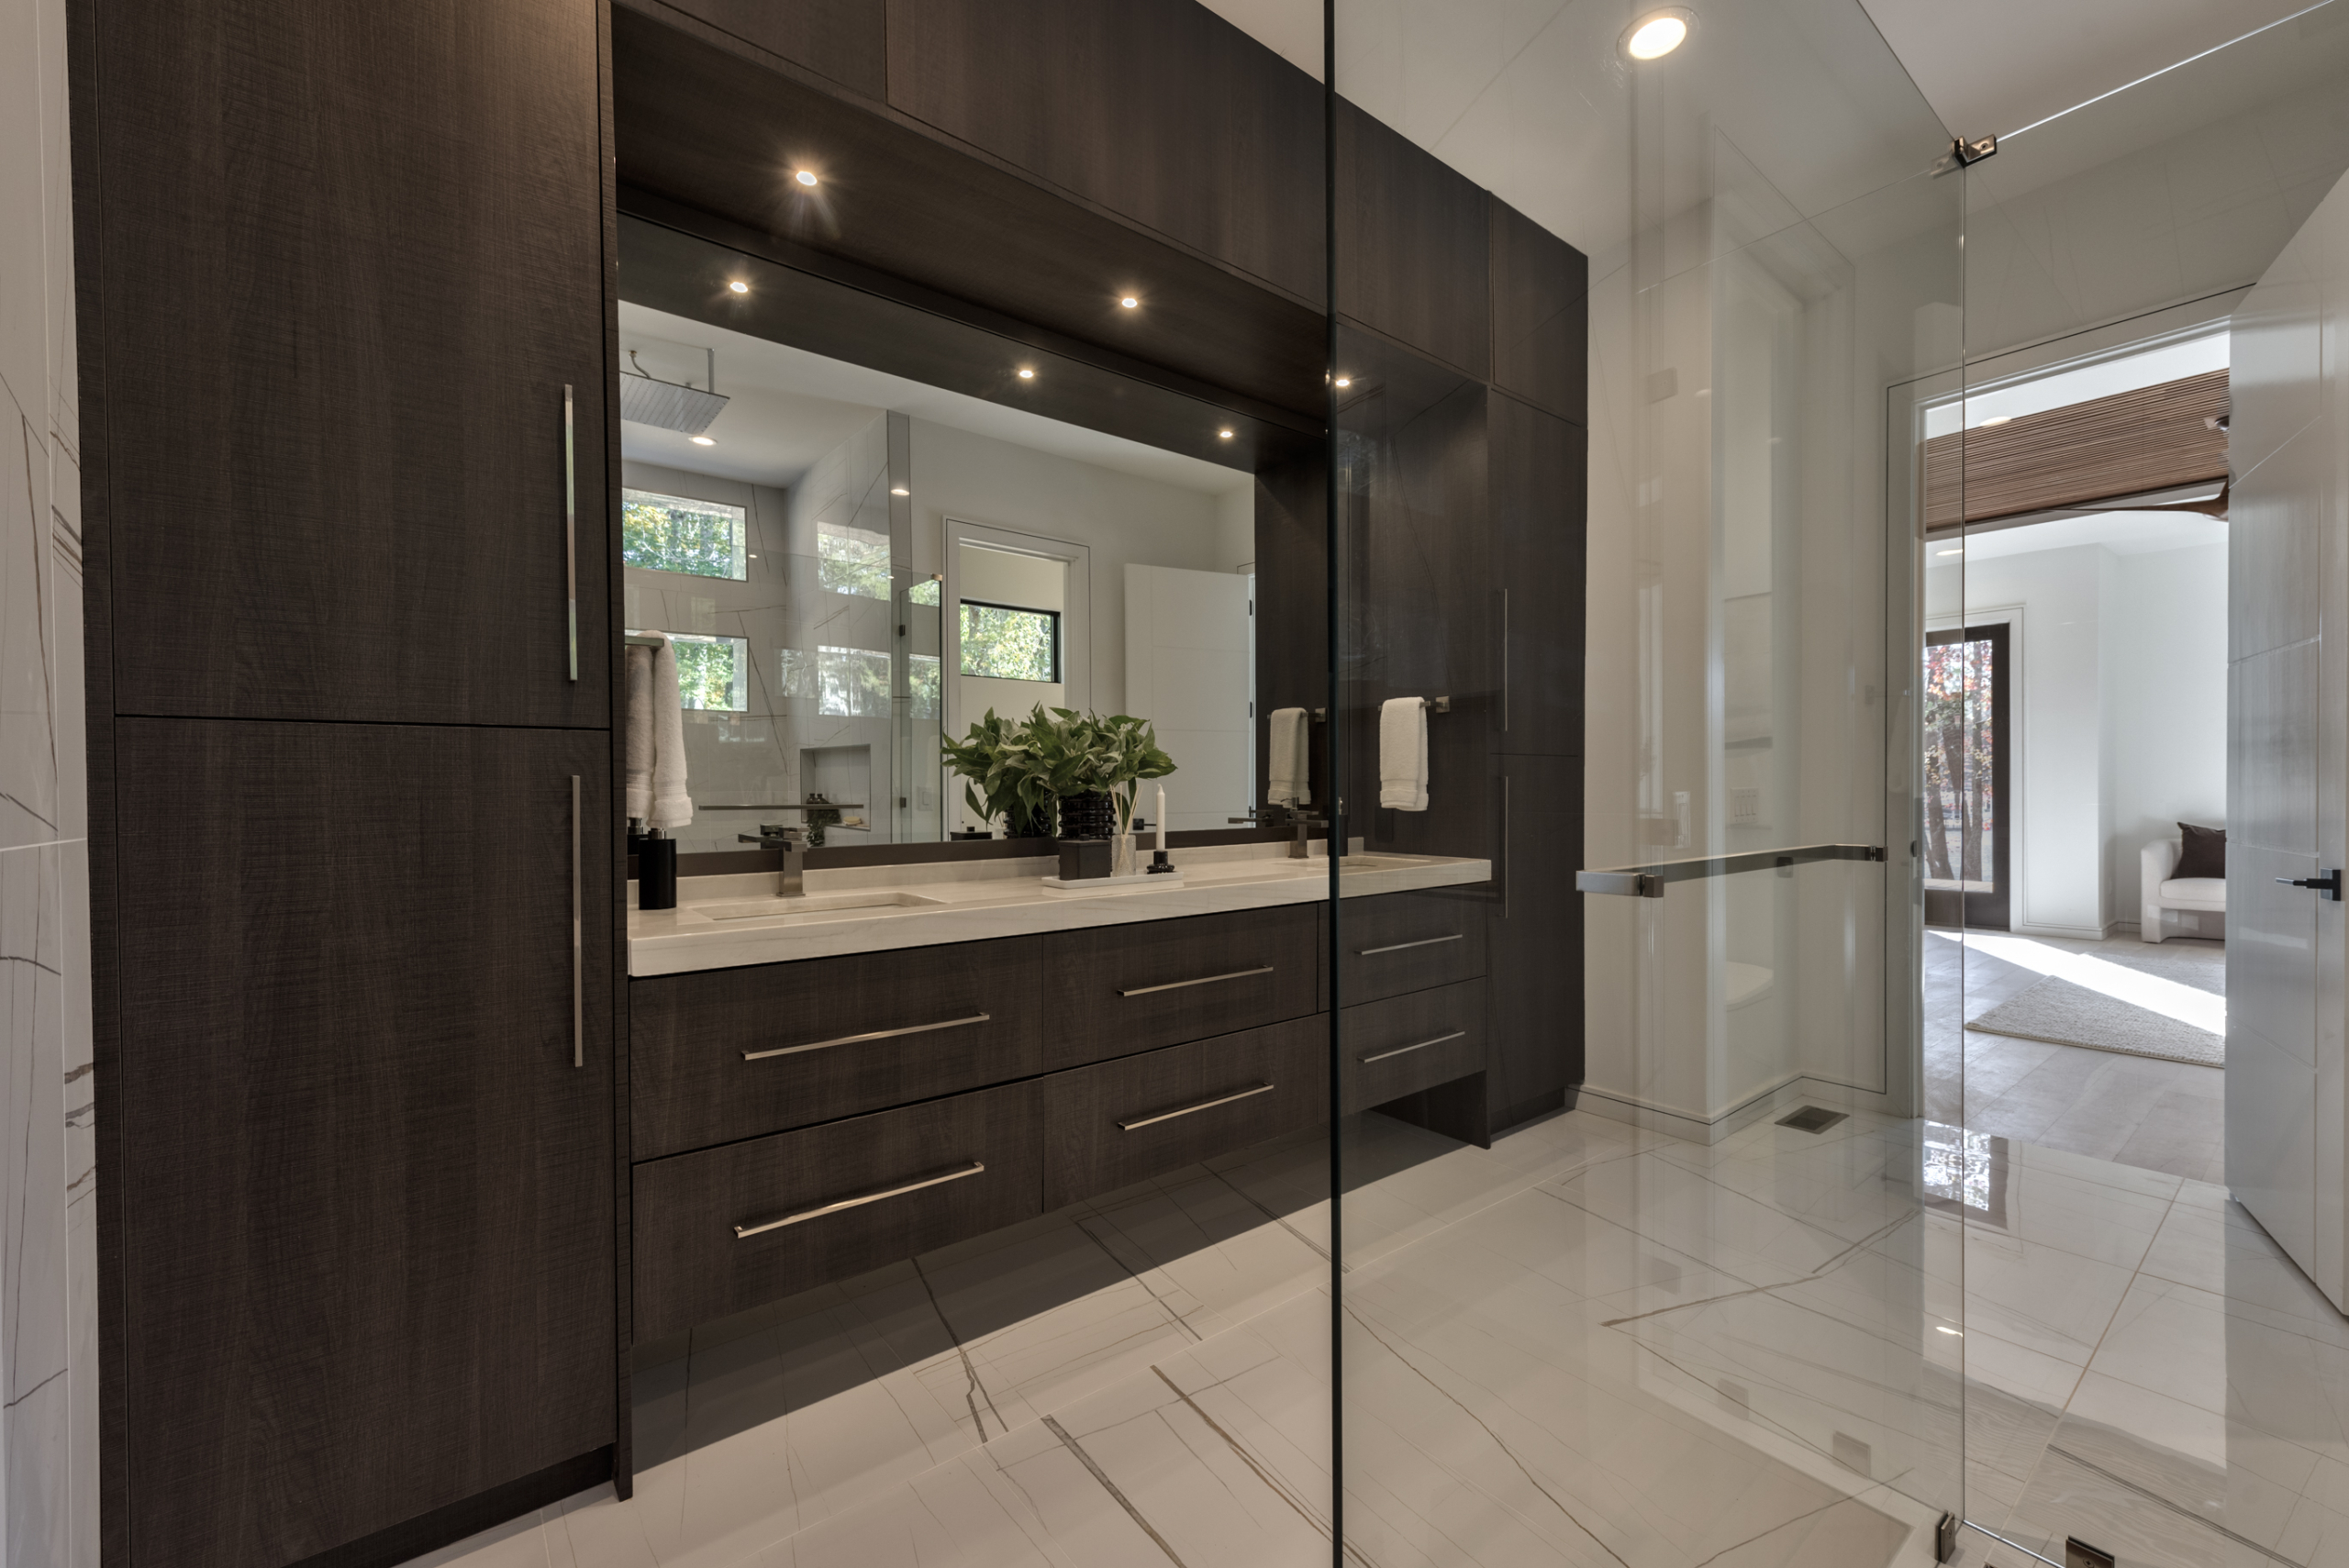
(1966, 836)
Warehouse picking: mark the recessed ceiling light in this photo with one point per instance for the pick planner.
(805, 177)
(705, 441)
(1131, 302)
(1658, 33)
(1959, 551)
(1345, 381)
(738, 286)
(1027, 375)
(899, 490)
(1995, 419)
(1223, 435)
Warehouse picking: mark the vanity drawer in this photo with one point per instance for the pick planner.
(828, 1202)
(1398, 942)
(1121, 989)
(1411, 1043)
(1122, 1121)
(730, 1053)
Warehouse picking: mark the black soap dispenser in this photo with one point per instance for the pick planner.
(656, 871)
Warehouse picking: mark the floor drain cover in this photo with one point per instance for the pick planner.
(1811, 1119)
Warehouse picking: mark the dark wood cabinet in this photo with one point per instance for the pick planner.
(846, 40)
(1158, 110)
(1119, 989)
(738, 1053)
(722, 1230)
(1534, 1008)
(1540, 317)
(1409, 1043)
(1538, 553)
(1414, 245)
(350, 260)
(1408, 941)
(1141, 1115)
(366, 1197)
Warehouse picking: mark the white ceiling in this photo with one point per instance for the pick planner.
(2123, 533)
(789, 407)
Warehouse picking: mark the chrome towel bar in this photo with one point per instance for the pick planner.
(1649, 881)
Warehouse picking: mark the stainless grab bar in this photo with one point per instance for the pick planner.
(1133, 1124)
(1422, 942)
(1649, 881)
(859, 1039)
(1406, 1049)
(744, 1232)
(1202, 980)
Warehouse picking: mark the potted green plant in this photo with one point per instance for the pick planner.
(1000, 778)
(1086, 759)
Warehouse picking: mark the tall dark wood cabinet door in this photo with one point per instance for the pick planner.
(367, 1195)
(1539, 529)
(1534, 961)
(350, 257)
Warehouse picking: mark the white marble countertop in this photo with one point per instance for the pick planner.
(721, 922)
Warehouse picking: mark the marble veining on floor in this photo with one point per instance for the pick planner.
(1589, 1345)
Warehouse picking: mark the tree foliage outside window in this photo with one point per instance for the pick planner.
(712, 672)
(852, 561)
(1961, 807)
(1006, 644)
(675, 533)
(922, 684)
(853, 683)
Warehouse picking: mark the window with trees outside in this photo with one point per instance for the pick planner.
(677, 533)
(1006, 643)
(712, 672)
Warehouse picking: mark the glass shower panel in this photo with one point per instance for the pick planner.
(1712, 1300)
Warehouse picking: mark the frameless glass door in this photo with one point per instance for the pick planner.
(1708, 1296)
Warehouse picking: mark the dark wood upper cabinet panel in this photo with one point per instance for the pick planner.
(844, 39)
(707, 128)
(1540, 532)
(1159, 110)
(1541, 314)
(352, 257)
(367, 1202)
(1414, 245)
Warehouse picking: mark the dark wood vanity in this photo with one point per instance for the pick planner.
(395, 1162)
(799, 1123)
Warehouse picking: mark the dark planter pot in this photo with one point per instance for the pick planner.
(1088, 815)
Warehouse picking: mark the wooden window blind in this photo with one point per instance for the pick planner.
(2150, 439)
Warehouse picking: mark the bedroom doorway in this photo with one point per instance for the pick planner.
(1967, 850)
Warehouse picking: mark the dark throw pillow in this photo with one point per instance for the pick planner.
(2204, 853)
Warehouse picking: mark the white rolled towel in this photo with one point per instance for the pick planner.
(638, 668)
(673, 803)
(1289, 756)
(1403, 754)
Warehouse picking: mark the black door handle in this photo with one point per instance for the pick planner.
(2326, 883)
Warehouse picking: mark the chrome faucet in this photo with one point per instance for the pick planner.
(793, 844)
(1306, 820)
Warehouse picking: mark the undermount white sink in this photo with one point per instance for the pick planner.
(817, 904)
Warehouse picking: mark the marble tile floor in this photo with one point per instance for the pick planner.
(1590, 1344)
(2160, 1116)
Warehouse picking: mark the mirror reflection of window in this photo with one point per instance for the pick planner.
(1006, 643)
(677, 533)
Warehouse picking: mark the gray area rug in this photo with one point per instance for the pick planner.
(2061, 1013)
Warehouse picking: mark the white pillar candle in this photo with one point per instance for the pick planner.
(1161, 816)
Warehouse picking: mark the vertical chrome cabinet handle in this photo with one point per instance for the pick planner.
(571, 528)
(578, 972)
(1504, 661)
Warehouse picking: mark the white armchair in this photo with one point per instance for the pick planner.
(2192, 895)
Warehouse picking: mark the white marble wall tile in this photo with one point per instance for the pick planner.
(28, 759)
(35, 1339)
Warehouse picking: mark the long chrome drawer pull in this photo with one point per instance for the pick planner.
(1136, 1123)
(743, 1232)
(578, 963)
(1406, 1049)
(1202, 980)
(859, 1039)
(571, 530)
(1423, 942)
